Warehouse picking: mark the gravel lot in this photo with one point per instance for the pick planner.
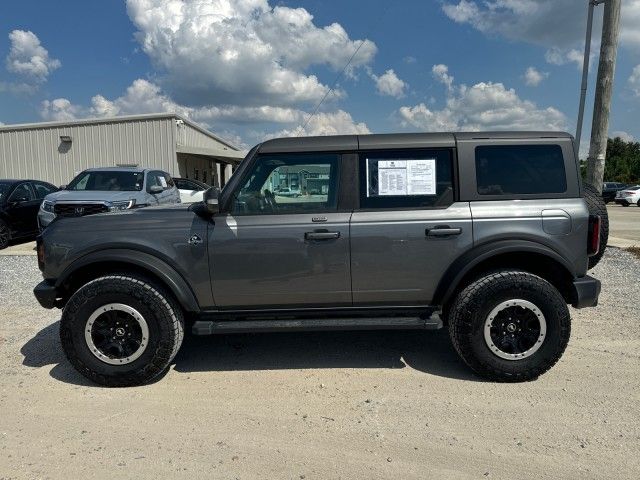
(324, 405)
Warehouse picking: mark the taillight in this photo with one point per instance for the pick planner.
(593, 241)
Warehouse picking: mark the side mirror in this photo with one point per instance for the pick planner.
(210, 199)
(62, 187)
(153, 189)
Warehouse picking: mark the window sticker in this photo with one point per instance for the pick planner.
(163, 181)
(403, 177)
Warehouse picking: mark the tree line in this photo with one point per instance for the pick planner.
(622, 162)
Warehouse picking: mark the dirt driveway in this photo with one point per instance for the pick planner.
(396, 405)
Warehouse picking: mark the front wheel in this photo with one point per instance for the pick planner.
(510, 326)
(121, 330)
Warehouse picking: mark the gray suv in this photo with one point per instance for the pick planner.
(110, 189)
(490, 235)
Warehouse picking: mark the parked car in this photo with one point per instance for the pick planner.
(628, 196)
(111, 189)
(190, 190)
(288, 192)
(19, 202)
(609, 190)
(414, 231)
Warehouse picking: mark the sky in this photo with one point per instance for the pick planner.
(249, 70)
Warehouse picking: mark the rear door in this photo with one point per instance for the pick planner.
(409, 227)
(277, 251)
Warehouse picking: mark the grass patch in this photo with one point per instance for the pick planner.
(634, 250)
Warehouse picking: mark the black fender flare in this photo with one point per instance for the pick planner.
(156, 266)
(470, 259)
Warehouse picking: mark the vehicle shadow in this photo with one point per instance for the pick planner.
(428, 352)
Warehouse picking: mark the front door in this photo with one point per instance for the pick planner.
(23, 210)
(409, 227)
(279, 249)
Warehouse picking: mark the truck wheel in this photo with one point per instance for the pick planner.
(597, 207)
(5, 235)
(510, 326)
(121, 330)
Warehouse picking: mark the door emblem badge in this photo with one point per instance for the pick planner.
(195, 240)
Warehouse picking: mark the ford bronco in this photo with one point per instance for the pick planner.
(488, 234)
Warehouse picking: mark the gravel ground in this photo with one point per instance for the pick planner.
(324, 405)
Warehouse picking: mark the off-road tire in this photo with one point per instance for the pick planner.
(472, 306)
(5, 235)
(161, 312)
(596, 206)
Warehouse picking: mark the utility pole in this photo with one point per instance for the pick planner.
(604, 89)
(585, 71)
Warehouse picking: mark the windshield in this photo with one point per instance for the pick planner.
(108, 181)
(4, 188)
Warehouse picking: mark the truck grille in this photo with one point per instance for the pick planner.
(78, 209)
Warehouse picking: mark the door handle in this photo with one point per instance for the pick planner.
(442, 231)
(321, 235)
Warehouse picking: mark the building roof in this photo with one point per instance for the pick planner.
(124, 118)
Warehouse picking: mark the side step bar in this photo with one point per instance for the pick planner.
(212, 327)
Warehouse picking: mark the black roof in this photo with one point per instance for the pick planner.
(390, 141)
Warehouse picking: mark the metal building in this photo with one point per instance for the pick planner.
(57, 151)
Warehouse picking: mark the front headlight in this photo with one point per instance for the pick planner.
(121, 206)
(47, 206)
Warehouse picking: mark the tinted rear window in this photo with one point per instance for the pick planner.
(520, 169)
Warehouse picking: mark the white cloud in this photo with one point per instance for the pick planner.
(241, 52)
(409, 59)
(551, 23)
(634, 81)
(624, 136)
(557, 56)
(389, 84)
(28, 58)
(141, 97)
(333, 123)
(441, 73)
(60, 109)
(484, 106)
(533, 78)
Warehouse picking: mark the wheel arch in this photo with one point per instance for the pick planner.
(516, 254)
(99, 263)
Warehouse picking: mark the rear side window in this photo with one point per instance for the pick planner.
(406, 179)
(520, 169)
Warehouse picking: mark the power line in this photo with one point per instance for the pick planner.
(331, 88)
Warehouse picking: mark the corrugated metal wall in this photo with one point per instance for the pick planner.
(188, 136)
(38, 153)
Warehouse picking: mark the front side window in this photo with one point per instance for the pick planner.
(520, 169)
(22, 193)
(289, 183)
(107, 181)
(406, 179)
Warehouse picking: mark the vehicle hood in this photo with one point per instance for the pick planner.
(91, 195)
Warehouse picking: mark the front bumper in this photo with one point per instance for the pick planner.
(586, 291)
(46, 294)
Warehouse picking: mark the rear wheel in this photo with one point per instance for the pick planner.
(121, 330)
(510, 326)
(597, 207)
(5, 235)
(625, 204)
